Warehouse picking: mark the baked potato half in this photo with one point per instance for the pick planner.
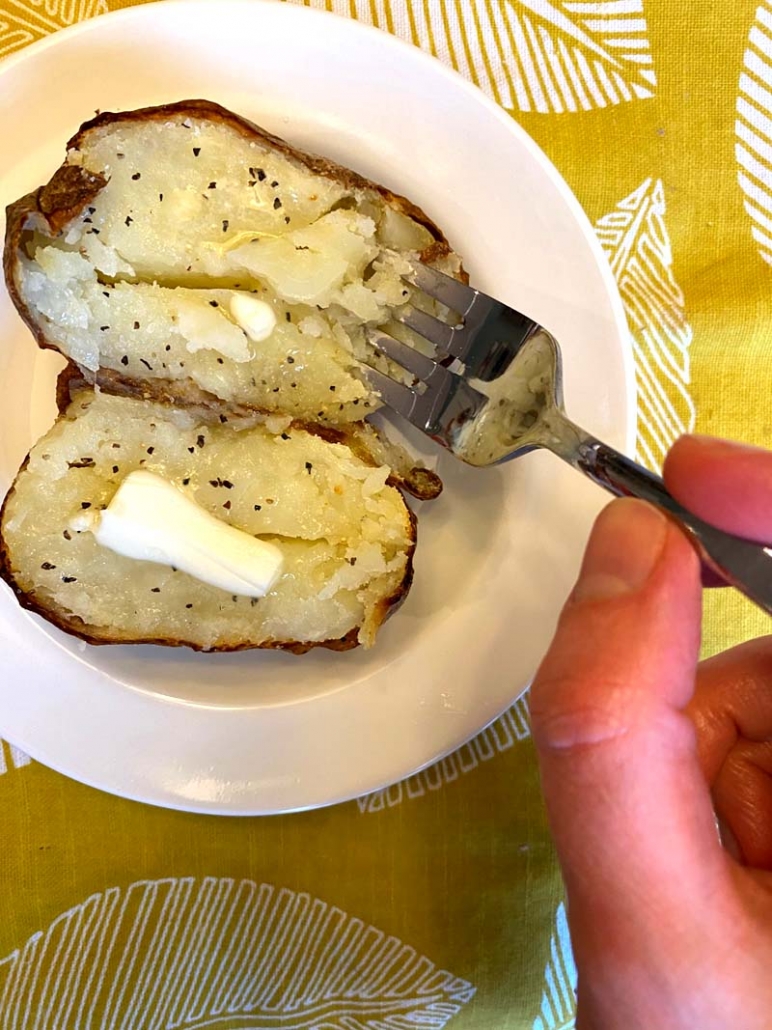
(346, 536)
(143, 256)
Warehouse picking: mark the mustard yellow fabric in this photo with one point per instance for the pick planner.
(438, 900)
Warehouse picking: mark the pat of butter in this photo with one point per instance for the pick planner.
(255, 317)
(150, 519)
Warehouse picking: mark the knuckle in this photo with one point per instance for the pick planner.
(578, 725)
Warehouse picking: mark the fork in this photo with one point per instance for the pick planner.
(493, 391)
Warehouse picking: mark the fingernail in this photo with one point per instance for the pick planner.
(624, 548)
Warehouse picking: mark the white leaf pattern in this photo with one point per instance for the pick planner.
(753, 129)
(500, 736)
(636, 242)
(558, 1003)
(548, 56)
(221, 954)
(29, 20)
(11, 758)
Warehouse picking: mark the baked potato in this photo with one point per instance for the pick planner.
(143, 257)
(346, 536)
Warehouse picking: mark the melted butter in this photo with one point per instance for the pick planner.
(150, 519)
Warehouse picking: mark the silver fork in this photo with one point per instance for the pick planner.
(494, 391)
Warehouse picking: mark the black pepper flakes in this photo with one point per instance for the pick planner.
(220, 361)
(87, 221)
(129, 220)
(223, 419)
(201, 440)
(253, 601)
(227, 484)
(155, 590)
(214, 482)
(191, 450)
(136, 325)
(47, 566)
(150, 450)
(285, 436)
(136, 176)
(105, 294)
(161, 197)
(288, 316)
(225, 224)
(286, 219)
(69, 579)
(67, 534)
(115, 468)
(290, 360)
(168, 347)
(104, 328)
(333, 388)
(309, 466)
(188, 605)
(186, 481)
(276, 203)
(125, 359)
(85, 504)
(213, 304)
(212, 186)
(146, 364)
(227, 505)
(258, 507)
(196, 151)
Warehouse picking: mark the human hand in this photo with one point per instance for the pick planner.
(669, 930)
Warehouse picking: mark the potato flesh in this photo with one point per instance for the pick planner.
(345, 534)
(236, 215)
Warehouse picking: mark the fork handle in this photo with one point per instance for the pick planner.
(742, 563)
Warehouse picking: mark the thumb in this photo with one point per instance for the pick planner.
(628, 805)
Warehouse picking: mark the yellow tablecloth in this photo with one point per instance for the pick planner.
(437, 900)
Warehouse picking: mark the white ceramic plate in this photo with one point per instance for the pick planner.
(259, 733)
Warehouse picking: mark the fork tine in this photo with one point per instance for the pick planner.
(439, 333)
(401, 398)
(443, 288)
